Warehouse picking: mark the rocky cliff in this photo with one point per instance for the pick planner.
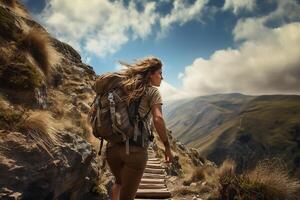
(45, 90)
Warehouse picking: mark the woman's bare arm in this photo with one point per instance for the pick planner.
(160, 127)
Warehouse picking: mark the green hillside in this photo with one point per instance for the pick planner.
(245, 128)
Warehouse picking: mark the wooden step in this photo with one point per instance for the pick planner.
(152, 181)
(151, 157)
(152, 199)
(154, 166)
(155, 176)
(153, 193)
(152, 186)
(154, 171)
(155, 160)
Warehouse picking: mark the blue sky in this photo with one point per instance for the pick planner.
(207, 46)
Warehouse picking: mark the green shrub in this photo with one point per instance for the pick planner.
(10, 118)
(20, 76)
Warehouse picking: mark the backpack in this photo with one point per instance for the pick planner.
(112, 119)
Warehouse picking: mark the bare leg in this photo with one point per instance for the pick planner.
(116, 192)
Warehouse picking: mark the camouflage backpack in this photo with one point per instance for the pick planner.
(111, 118)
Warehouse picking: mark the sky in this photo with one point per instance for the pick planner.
(206, 46)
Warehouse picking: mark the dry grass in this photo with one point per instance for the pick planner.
(36, 42)
(227, 169)
(85, 125)
(191, 190)
(184, 190)
(197, 175)
(70, 117)
(267, 181)
(8, 26)
(10, 118)
(40, 126)
(21, 10)
(3, 57)
(16, 7)
(9, 3)
(273, 172)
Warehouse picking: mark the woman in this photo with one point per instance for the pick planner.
(128, 168)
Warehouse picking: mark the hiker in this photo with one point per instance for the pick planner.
(140, 82)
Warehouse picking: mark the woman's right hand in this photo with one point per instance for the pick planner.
(168, 155)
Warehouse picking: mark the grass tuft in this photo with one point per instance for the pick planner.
(36, 42)
(20, 76)
(8, 28)
(267, 181)
(9, 3)
(40, 126)
(10, 118)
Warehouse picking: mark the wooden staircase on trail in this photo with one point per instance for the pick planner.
(153, 184)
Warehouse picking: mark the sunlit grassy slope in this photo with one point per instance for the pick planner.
(246, 128)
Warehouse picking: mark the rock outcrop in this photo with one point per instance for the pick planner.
(67, 171)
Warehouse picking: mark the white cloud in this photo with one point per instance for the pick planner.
(99, 27)
(181, 13)
(238, 5)
(119, 67)
(102, 27)
(266, 61)
(180, 75)
(169, 92)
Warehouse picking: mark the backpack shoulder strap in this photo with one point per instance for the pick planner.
(101, 145)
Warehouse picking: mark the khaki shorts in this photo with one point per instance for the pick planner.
(127, 169)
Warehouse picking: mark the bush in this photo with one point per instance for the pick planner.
(41, 127)
(197, 175)
(20, 76)
(267, 181)
(10, 118)
(36, 42)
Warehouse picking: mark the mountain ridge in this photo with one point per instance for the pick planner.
(221, 125)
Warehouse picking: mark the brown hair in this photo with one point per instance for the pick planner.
(137, 76)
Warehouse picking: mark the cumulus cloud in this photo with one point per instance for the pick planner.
(99, 27)
(239, 5)
(102, 27)
(266, 61)
(181, 13)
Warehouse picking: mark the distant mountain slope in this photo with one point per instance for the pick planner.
(246, 128)
(195, 118)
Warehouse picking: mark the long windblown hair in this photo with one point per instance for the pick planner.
(136, 76)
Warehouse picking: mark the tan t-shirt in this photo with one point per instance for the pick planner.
(150, 98)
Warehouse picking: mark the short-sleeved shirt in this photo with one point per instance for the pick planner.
(151, 97)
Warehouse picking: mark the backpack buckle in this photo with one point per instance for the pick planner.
(110, 97)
